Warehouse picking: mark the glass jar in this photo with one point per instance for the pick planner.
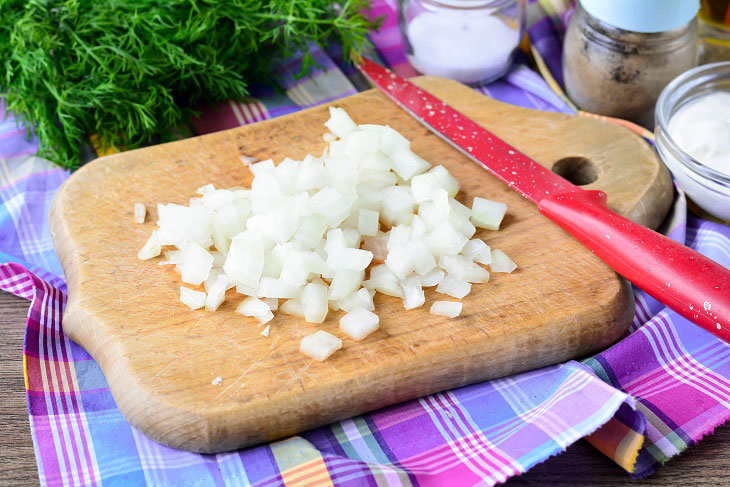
(708, 188)
(714, 31)
(472, 41)
(612, 71)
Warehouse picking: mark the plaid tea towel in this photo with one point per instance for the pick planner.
(642, 401)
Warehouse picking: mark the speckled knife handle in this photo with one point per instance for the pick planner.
(694, 286)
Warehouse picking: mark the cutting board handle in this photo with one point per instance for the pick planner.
(694, 286)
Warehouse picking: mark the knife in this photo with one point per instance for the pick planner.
(688, 282)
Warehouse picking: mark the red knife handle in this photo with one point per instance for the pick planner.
(688, 282)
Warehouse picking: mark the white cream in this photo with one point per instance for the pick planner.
(701, 128)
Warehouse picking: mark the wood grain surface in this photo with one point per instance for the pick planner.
(703, 465)
(160, 359)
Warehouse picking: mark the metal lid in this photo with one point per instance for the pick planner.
(643, 15)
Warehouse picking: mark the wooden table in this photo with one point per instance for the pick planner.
(706, 464)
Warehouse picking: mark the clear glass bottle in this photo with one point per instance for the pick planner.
(617, 72)
(472, 41)
(714, 31)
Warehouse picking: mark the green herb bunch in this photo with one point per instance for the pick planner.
(130, 71)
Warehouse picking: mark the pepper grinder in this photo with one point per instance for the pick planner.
(619, 54)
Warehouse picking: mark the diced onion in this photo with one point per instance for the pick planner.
(450, 309)
(487, 214)
(308, 232)
(151, 248)
(320, 345)
(191, 298)
(139, 212)
(501, 263)
(453, 287)
(359, 323)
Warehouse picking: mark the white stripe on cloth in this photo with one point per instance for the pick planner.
(681, 366)
(59, 443)
(496, 472)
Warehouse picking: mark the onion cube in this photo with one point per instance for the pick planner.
(399, 261)
(444, 239)
(390, 141)
(453, 287)
(407, 164)
(314, 302)
(445, 180)
(359, 323)
(397, 207)
(151, 248)
(344, 283)
(377, 179)
(377, 160)
(276, 288)
(432, 278)
(272, 303)
(252, 306)
(196, 264)
(217, 198)
(213, 276)
(369, 127)
(139, 212)
(292, 307)
(368, 222)
(203, 190)
(340, 122)
(360, 299)
(361, 144)
(263, 319)
(487, 214)
(413, 296)
(266, 330)
(463, 268)
(347, 258)
(294, 270)
(320, 345)
(217, 293)
(191, 298)
(450, 309)
(310, 231)
(226, 218)
(245, 259)
(501, 263)
(310, 174)
(352, 237)
(378, 245)
(474, 248)
(421, 257)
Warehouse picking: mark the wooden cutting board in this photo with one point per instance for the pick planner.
(160, 358)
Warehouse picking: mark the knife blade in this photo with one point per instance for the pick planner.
(691, 284)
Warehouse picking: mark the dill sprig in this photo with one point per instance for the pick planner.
(130, 71)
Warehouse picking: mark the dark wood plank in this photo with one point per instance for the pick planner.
(18, 465)
(703, 465)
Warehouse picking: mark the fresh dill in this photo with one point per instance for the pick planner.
(131, 71)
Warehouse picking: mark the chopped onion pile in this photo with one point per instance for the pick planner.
(328, 232)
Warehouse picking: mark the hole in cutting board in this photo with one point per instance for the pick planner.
(578, 170)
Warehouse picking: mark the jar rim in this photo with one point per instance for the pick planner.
(470, 4)
(679, 91)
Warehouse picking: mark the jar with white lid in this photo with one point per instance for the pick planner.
(472, 41)
(707, 186)
(619, 54)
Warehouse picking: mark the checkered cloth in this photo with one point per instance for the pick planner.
(647, 398)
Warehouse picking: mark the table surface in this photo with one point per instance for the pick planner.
(705, 464)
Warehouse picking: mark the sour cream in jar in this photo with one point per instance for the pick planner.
(693, 135)
(701, 128)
